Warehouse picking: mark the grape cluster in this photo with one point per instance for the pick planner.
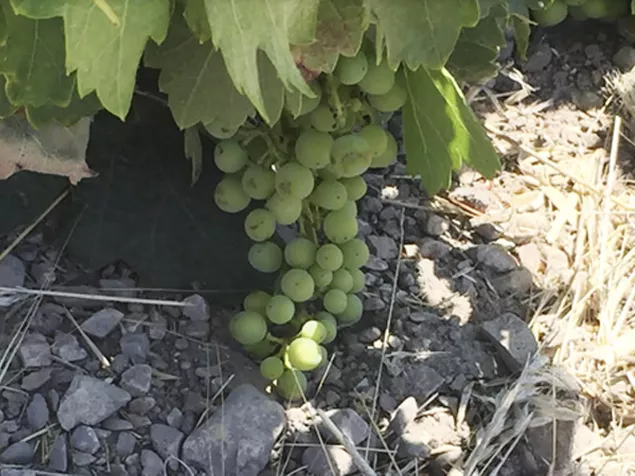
(307, 170)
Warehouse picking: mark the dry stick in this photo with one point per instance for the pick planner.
(346, 442)
(98, 353)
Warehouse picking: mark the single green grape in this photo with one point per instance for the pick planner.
(271, 368)
(297, 285)
(329, 173)
(229, 156)
(376, 137)
(229, 195)
(314, 330)
(349, 208)
(388, 157)
(330, 324)
(340, 226)
(359, 280)
(323, 119)
(258, 182)
(329, 194)
(285, 209)
(391, 101)
(335, 301)
(321, 277)
(351, 155)
(351, 70)
(220, 131)
(329, 257)
(292, 384)
(295, 180)
(342, 280)
(355, 187)
(280, 309)
(261, 350)
(353, 311)
(300, 253)
(256, 301)
(356, 253)
(553, 14)
(248, 327)
(265, 257)
(313, 149)
(304, 354)
(378, 80)
(260, 224)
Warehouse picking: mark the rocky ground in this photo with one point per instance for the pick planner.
(461, 291)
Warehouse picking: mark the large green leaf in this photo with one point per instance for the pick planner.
(6, 108)
(104, 49)
(68, 115)
(441, 131)
(340, 30)
(33, 61)
(242, 27)
(422, 32)
(196, 18)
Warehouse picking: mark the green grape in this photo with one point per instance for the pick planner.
(340, 226)
(256, 301)
(329, 194)
(261, 350)
(229, 195)
(595, 9)
(376, 137)
(552, 15)
(220, 131)
(321, 277)
(325, 356)
(271, 368)
(295, 180)
(342, 280)
(349, 208)
(314, 330)
(355, 187)
(280, 309)
(352, 312)
(229, 156)
(378, 80)
(285, 209)
(351, 155)
(313, 149)
(258, 182)
(391, 101)
(300, 253)
(260, 224)
(297, 284)
(334, 301)
(292, 384)
(355, 253)
(329, 257)
(329, 173)
(248, 327)
(351, 70)
(575, 3)
(359, 280)
(265, 257)
(304, 354)
(389, 155)
(323, 119)
(330, 324)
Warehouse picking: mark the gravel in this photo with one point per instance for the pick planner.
(85, 439)
(102, 323)
(137, 380)
(35, 351)
(37, 413)
(66, 347)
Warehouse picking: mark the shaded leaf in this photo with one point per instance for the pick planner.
(66, 116)
(196, 18)
(522, 31)
(6, 108)
(441, 131)
(193, 151)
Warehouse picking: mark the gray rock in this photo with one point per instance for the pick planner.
(349, 423)
(413, 442)
(488, 232)
(369, 335)
(436, 225)
(159, 327)
(117, 424)
(512, 338)
(35, 351)
(123, 287)
(12, 272)
(152, 463)
(374, 303)
(495, 258)
(135, 347)
(434, 249)
(17, 472)
(102, 322)
(539, 59)
(137, 380)
(423, 316)
(142, 405)
(175, 418)
(125, 444)
(58, 454)
(586, 100)
(196, 308)
(238, 439)
(5, 439)
(37, 413)
(120, 363)
(85, 439)
(317, 461)
(35, 380)
(82, 459)
(383, 247)
(625, 58)
(517, 282)
(21, 452)
(404, 414)
(417, 380)
(67, 348)
(89, 401)
(139, 421)
(166, 440)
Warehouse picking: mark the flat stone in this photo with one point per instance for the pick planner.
(369, 335)
(166, 440)
(436, 225)
(383, 247)
(125, 444)
(434, 249)
(66, 347)
(35, 380)
(495, 258)
(539, 59)
(175, 418)
(196, 308)
(403, 415)
(21, 452)
(58, 454)
(517, 282)
(85, 439)
(37, 412)
(375, 263)
(117, 424)
(625, 58)
(12, 272)
(417, 380)
(512, 338)
(35, 351)
(240, 438)
(102, 322)
(142, 405)
(349, 423)
(123, 287)
(137, 380)
(82, 459)
(317, 461)
(17, 472)
(89, 401)
(151, 463)
(135, 347)
(374, 303)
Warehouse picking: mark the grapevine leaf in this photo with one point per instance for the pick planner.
(68, 115)
(105, 55)
(33, 61)
(422, 32)
(194, 151)
(194, 14)
(4, 34)
(340, 30)
(6, 108)
(195, 78)
(474, 58)
(272, 88)
(54, 149)
(522, 31)
(440, 130)
(303, 22)
(242, 27)
(485, 6)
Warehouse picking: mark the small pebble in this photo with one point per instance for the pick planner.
(37, 413)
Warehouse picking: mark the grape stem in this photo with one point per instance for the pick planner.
(308, 224)
(335, 101)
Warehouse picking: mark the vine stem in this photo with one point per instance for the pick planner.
(335, 101)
